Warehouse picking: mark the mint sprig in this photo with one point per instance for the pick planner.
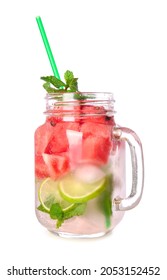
(55, 86)
(56, 212)
(54, 81)
(70, 84)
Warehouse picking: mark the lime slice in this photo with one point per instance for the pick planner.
(75, 190)
(49, 193)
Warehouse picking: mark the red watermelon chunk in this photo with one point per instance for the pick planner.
(57, 145)
(42, 136)
(41, 170)
(57, 165)
(96, 149)
(90, 109)
(93, 114)
(56, 115)
(96, 114)
(52, 120)
(96, 142)
(101, 130)
(59, 142)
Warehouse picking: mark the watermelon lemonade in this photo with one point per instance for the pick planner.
(75, 158)
(80, 162)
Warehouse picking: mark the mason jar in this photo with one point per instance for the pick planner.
(80, 163)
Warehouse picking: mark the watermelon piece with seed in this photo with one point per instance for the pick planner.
(96, 114)
(56, 115)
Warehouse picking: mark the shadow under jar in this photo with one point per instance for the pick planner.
(80, 160)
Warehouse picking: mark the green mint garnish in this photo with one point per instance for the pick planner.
(54, 81)
(68, 76)
(59, 223)
(79, 96)
(41, 208)
(54, 85)
(56, 212)
(77, 210)
(70, 84)
(50, 89)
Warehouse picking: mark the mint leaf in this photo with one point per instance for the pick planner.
(49, 89)
(59, 223)
(56, 213)
(74, 84)
(77, 210)
(70, 85)
(79, 96)
(41, 208)
(68, 76)
(54, 81)
(71, 82)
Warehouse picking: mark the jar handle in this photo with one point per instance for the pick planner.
(137, 161)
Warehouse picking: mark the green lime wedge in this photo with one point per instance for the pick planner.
(76, 191)
(49, 194)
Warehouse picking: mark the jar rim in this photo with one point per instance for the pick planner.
(96, 93)
(71, 100)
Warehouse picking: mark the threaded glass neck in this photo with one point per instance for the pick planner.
(81, 104)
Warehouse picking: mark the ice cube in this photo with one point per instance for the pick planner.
(89, 173)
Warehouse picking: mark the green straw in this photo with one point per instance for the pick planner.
(47, 47)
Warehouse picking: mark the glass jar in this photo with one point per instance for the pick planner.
(80, 166)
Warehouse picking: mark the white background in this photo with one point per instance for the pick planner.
(117, 46)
